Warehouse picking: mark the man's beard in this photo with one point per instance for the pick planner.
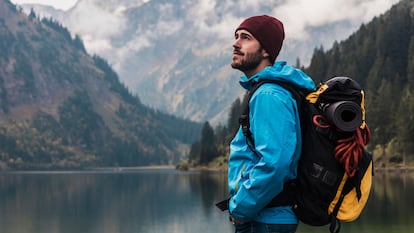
(249, 62)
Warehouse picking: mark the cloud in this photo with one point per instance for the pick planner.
(123, 54)
(222, 17)
(298, 15)
(61, 4)
(203, 8)
(215, 18)
(167, 25)
(96, 25)
(96, 45)
(166, 28)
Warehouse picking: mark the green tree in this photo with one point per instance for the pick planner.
(83, 126)
(405, 122)
(234, 115)
(410, 64)
(319, 64)
(208, 148)
(194, 155)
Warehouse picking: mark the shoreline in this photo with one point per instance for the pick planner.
(172, 167)
(151, 167)
(91, 169)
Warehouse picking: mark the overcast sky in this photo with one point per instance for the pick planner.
(298, 16)
(325, 6)
(58, 4)
(307, 13)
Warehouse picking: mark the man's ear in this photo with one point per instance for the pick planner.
(265, 54)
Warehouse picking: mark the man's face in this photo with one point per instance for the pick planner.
(247, 52)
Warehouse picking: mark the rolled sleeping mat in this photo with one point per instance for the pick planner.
(345, 115)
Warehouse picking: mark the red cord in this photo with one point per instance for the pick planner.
(348, 151)
(320, 121)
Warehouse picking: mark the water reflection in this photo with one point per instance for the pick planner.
(161, 201)
(391, 203)
(143, 201)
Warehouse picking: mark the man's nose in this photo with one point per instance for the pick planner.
(236, 43)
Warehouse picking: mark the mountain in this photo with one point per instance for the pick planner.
(63, 108)
(175, 54)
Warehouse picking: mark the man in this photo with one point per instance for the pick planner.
(257, 172)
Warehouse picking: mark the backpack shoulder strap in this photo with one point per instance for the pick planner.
(297, 93)
(244, 119)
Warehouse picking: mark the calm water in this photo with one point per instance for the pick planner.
(155, 201)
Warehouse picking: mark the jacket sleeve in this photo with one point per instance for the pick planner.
(273, 123)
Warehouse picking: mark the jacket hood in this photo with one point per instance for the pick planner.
(280, 71)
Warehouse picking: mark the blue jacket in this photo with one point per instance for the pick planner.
(255, 178)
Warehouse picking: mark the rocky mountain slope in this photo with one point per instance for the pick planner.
(61, 107)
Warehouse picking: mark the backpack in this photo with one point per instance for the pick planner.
(335, 172)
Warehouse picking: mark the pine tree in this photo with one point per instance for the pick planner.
(208, 148)
(405, 123)
(233, 120)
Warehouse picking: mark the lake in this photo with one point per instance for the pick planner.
(163, 200)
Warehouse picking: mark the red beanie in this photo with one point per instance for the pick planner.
(268, 31)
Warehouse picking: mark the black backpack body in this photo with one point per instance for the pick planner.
(335, 172)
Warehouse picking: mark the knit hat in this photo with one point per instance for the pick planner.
(268, 31)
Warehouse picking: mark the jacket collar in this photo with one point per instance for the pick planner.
(282, 72)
